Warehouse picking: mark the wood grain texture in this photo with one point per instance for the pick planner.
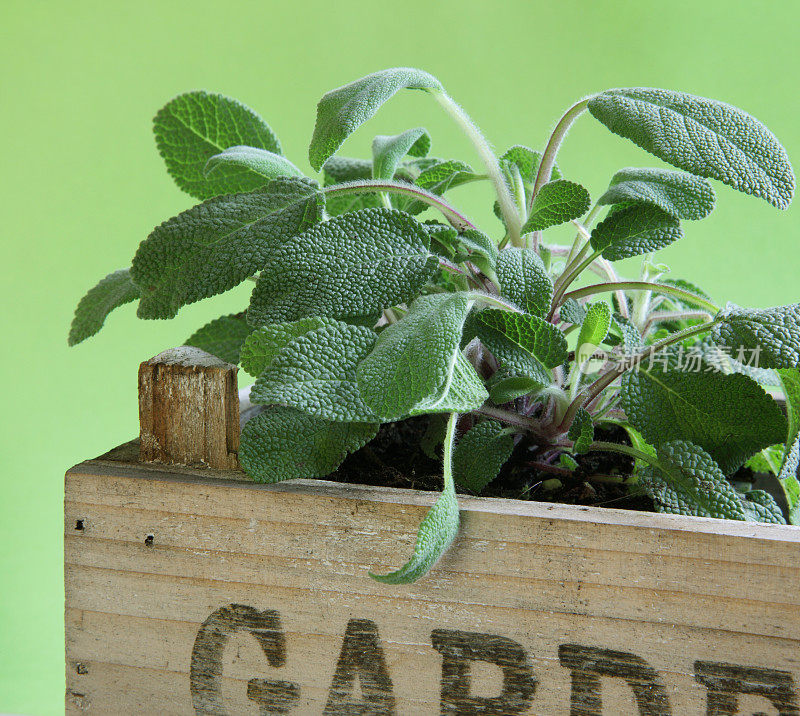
(189, 409)
(194, 591)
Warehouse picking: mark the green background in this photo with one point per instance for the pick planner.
(81, 184)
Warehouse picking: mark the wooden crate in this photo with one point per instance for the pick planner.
(196, 590)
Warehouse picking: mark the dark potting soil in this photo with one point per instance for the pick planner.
(395, 458)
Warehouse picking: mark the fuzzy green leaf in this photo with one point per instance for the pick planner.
(703, 136)
(533, 334)
(506, 387)
(216, 245)
(634, 230)
(572, 312)
(417, 365)
(352, 265)
(679, 194)
(527, 162)
(691, 483)
(263, 344)
(581, 432)
(437, 179)
(760, 506)
(556, 203)
(341, 111)
(593, 330)
(436, 533)
(258, 161)
(480, 454)
(222, 337)
(113, 291)
(445, 175)
(728, 415)
(769, 460)
(524, 280)
(284, 444)
(773, 332)
(790, 378)
(387, 151)
(316, 374)
(194, 127)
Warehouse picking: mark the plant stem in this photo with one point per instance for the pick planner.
(590, 393)
(551, 150)
(562, 284)
(511, 217)
(369, 186)
(658, 316)
(625, 450)
(449, 444)
(506, 416)
(642, 286)
(496, 300)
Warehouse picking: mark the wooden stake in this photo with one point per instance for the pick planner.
(189, 409)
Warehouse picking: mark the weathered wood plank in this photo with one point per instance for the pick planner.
(188, 593)
(189, 409)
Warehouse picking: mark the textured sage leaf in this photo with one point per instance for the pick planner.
(790, 379)
(769, 460)
(581, 432)
(679, 194)
(216, 245)
(417, 365)
(631, 338)
(568, 462)
(388, 151)
(593, 330)
(524, 280)
(634, 230)
(350, 266)
(194, 127)
(728, 415)
(507, 387)
(341, 111)
(527, 163)
(513, 359)
(556, 203)
(113, 291)
(258, 161)
(760, 506)
(439, 528)
(445, 175)
(572, 312)
(222, 337)
(316, 374)
(773, 332)
(436, 533)
(703, 136)
(263, 344)
(480, 454)
(471, 245)
(533, 334)
(437, 179)
(691, 483)
(283, 444)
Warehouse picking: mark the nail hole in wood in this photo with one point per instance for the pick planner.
(148, 541)
(81, 668)
(79, 525)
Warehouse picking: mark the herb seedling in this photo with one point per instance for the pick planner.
(362, 314)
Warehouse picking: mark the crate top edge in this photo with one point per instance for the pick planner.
(125, 468)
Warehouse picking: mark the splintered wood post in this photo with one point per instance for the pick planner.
(189, 409)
